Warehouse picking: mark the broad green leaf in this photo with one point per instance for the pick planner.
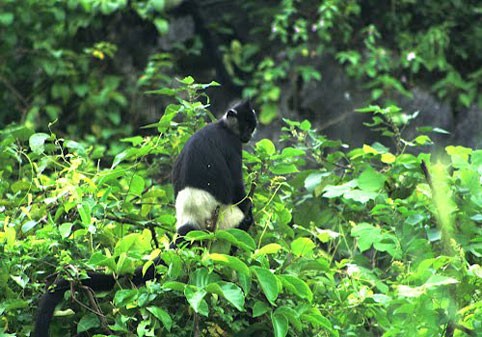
(331, 191)
(370, 180)
(162, 27)
(65, 229)
(135, 141)
(174, 285)
(289, 152)
(367, 234)
(422, 140)
(268, 282)
(439, 280)
(291, 315)
(84, 212)
(318, 320)
(280, 325)
(326, 235)
(296, 286)
(302, 247)
(406, 291)
(187, 80)
(388, 158)
(162, 316)
(199, 236)
(231, 262)
(37, 142)
(360, 196)
(314, 180)
(28, 226)
(283, 168)
(389, 243)
(266, 146)
(100, 260)
(174, 263)
(87, 322)
(231, 292)
(137, 184)
(238, 238)
(195, 297)
(260, 308)
(135, 243)
(270, 248)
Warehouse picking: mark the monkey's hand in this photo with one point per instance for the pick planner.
(248, 219)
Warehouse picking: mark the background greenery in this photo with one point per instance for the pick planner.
(374, 241)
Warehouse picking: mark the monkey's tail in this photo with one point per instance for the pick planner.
(49, 300)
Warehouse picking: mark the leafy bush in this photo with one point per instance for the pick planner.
(66, 60)
(346, 243)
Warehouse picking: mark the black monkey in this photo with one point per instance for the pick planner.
(208, 182)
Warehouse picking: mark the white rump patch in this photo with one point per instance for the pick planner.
(196, 207)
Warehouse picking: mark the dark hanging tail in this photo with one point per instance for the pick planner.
(96, 281)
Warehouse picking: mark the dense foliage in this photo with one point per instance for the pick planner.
(366, 242)
(91, 60)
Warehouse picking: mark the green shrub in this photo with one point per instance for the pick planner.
(346, 243)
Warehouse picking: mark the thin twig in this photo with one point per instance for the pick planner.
(95, 305)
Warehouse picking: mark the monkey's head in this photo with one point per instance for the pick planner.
(241, 119)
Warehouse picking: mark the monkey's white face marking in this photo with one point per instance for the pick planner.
(196, 207)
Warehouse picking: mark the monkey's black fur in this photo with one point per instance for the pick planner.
(211, 161)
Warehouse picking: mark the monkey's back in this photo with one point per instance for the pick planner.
(210, 161)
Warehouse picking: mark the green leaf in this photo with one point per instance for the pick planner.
(314, 180)
(360, 196)
(266, 147)
(162, 27)
(283, 168)
(230, 291)
(260, 308)
(231, 262)
(268, 282)
(302, 247)
(367, 234)
(289, 152)
(422, 140)
(280, 325)
(297, 286)
(195, 297)
(137, 185)
(439, 280)
(135, 141)
(37, 142)
(331, 191)
(162, 316)
(174, 285)
(134, 244)
(291, 315)
(318, 320)
(84, 212)
(238, 238)
(87, 322)
(370, 180)
(6, 19)
(100, 260)
(28, 226)
(199, 236)
(270, 248)
(187, 80)
(65, 229)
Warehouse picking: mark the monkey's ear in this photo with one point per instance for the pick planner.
(232, 113)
